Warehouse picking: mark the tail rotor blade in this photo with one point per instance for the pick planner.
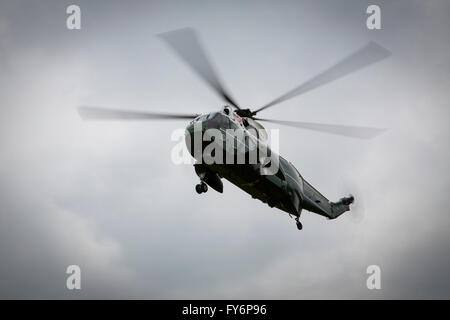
(357, 208)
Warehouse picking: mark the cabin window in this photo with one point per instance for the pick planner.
(280, 174)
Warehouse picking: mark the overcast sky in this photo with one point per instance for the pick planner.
(106, 196)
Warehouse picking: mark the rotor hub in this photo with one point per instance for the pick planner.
(245, 113)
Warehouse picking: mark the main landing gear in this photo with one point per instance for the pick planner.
(201, 187)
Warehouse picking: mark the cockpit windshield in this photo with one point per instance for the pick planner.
(218, 120)
(200, 118)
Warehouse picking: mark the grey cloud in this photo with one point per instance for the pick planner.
(106, 196)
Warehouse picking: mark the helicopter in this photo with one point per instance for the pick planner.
(285, 188)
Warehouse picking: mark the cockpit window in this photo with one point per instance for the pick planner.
(218, 120)
(234, 125)
(201, 117)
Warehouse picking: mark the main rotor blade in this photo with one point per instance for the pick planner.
(97, 113)
(367, 55)
(188, 47)
(349, 131)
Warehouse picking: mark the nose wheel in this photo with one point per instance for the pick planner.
(298, 223)
(201, 188)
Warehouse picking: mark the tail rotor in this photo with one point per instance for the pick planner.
(357, 207)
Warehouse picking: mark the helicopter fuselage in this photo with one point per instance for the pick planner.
(284, 188)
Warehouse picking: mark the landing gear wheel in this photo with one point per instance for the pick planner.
(201, 188)
(298, 223)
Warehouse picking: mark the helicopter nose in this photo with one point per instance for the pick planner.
(198, 127)
(194, 137)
